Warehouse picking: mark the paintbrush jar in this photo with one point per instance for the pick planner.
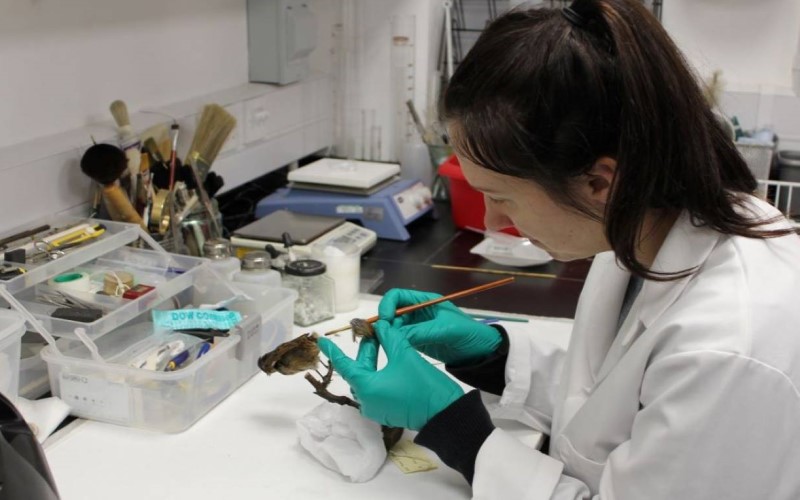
(315, 291)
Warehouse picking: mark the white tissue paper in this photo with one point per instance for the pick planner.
(343, 441)
(42, 415)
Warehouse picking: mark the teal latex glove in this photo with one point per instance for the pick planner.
(441, 331)
(406, 393)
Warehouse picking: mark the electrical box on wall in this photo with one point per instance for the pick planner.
(280, 36)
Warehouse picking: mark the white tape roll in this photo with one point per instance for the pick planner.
(76, 281)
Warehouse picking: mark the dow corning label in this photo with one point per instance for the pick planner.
(184, 319)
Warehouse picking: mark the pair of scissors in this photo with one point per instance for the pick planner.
(56, 249)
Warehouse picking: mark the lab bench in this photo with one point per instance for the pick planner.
(247, 446)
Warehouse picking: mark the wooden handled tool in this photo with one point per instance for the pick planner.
(416, 307)
(104, 163)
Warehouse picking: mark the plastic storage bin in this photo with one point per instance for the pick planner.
(111, 391)
(33, 381)
(169, 274)
(104, 387)
(12, 326)
(274, 308)
(116, 235)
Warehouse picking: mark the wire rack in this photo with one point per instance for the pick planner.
(466, 28)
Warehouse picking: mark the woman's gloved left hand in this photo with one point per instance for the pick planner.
(406, 393)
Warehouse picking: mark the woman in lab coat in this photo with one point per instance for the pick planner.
(585, 130)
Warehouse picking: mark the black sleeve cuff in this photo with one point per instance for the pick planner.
(457, 433)
(490, 373)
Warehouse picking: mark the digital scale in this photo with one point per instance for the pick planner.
(304, 230)
(369, 193)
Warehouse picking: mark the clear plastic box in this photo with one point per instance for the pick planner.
(12, 326)
(33, 381)
(116, 235)
(169, 274)
(103, 386)
(274, 307)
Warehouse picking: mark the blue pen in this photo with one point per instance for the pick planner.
(177, 361)
(204, 348)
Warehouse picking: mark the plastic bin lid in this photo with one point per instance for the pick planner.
(12, 325)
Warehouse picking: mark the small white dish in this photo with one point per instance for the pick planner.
(508, 250)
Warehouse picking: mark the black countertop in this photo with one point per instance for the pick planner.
(436, 241)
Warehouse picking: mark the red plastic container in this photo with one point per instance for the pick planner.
(466, 203)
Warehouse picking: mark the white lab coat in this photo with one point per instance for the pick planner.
(695, 398)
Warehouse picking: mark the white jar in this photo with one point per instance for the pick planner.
(219, 252)
(256, 269)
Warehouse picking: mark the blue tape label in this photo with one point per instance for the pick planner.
(185, 319)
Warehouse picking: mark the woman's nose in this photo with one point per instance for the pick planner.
(494, 218)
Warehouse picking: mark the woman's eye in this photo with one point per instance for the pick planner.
(496, 201)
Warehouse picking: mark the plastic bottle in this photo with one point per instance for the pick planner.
(219, 251)
(256, 269)
(343, 262)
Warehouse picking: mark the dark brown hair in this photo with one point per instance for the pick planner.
(542, 97)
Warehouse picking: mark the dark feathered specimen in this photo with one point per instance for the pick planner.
(292, 357)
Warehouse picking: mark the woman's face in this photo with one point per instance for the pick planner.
(564, 232)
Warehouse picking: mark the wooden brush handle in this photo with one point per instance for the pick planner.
(452, 296)
(121, 204)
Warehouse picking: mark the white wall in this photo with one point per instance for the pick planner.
(64, 62)
(756, 45)
(753, 42)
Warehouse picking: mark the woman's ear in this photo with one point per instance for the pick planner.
(599, 179)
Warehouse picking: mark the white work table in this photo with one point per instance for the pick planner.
(245, 448)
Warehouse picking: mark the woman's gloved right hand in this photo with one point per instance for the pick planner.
(441, 331)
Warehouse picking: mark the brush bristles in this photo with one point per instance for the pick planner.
(104, 163)
(215, 126)
(120, 113)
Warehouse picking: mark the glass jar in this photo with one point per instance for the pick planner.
(219, 252)
(256, 268)
(315, 300)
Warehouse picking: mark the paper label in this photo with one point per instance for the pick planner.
(409, 457)
(95, 397)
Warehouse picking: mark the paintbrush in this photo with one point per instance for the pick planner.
(416, 307)
(104, 163)
(130, 144)
(158, 133)
(174, 130)
(215, 125)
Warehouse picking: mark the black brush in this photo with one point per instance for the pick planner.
(105, 163)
